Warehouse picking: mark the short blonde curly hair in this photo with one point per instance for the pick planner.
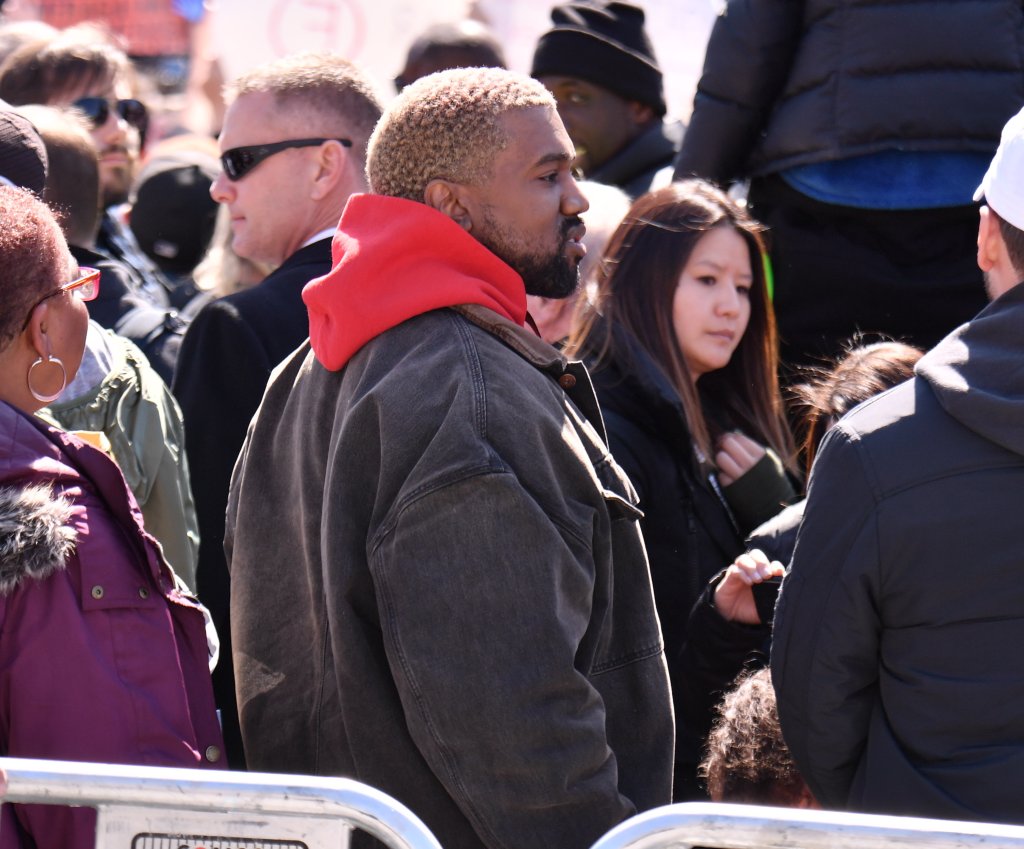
(446, 126)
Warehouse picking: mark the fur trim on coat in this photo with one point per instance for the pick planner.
(35, 538)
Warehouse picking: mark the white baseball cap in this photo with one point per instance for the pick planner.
(1003, 183)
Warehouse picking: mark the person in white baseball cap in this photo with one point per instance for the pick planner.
(1000, 236)
(900, 614)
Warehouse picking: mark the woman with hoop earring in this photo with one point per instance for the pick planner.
(102, 656)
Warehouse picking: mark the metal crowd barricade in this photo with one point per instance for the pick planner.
(750, 827)
(162, 808)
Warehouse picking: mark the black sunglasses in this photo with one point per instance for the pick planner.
(239, 161)
(97, 110)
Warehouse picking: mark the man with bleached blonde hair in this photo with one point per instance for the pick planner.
(293, 150)
(425, 522)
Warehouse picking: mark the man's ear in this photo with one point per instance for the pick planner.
(332, 159)
(447, 198)
(989, 240)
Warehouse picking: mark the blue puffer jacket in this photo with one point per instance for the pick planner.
(788, 83)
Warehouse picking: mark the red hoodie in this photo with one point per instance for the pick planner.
(395, 259)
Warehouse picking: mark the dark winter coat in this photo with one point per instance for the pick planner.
(645, 163)
(791, 83)
(439, 588)
(896, 654)
(717, 650)
(230, 349)
(689, 530)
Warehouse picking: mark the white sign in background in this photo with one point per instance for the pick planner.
(377, 33)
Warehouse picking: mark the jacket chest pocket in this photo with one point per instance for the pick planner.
(630, 625)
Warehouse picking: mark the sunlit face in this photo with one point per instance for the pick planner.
(711, 305)
(117, 142)
(270, 208)
(527, 212)
(599, 122)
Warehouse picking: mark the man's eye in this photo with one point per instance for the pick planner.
(575, 98)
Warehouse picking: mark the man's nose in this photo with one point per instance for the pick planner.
(221, 188)
(115, 128)
(574, 202)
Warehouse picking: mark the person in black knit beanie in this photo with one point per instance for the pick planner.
(599, 63)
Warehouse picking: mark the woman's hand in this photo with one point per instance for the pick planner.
(734, 600)
(736, 455)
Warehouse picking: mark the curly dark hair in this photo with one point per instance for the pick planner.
(747, 760)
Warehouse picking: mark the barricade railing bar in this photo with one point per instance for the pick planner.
(752, 827)
(155, 807)
(164, 808)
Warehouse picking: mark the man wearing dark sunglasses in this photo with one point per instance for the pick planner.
(80, 69)
(293, 150)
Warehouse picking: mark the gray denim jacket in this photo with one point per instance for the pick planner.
(439, 588)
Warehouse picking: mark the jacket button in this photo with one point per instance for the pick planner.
(213, 754)
(143, 592)
(567, 381)
(97, 591)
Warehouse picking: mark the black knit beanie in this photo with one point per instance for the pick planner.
(605, 44)
(22, 153)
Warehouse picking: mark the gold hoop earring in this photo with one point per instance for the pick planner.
(39, 396)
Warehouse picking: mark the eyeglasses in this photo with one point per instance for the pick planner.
(85, 288)
(97, 110)
(239, 161)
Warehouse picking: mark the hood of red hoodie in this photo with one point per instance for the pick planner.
(394, 259)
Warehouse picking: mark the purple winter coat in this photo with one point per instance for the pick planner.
(101, 657)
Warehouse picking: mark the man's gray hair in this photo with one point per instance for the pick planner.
(327, 86)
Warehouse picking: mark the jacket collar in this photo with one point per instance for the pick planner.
(571, 375)
(654, 148)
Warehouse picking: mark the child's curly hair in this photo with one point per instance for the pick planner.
(747, 760)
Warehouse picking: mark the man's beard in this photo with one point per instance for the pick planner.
(554, 276)
(115, 186)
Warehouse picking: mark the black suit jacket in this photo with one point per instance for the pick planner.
(224, 364)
